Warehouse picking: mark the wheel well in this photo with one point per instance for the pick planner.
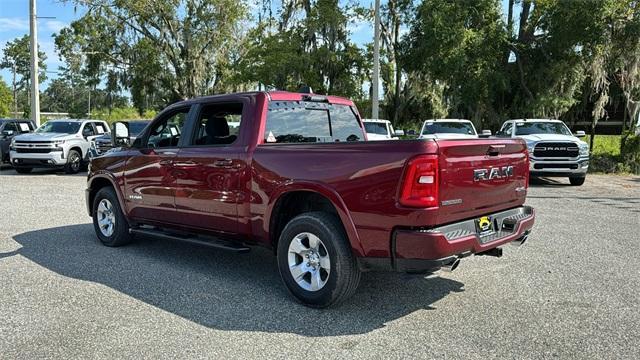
(79, 150)
(293, 204)
(96, 185)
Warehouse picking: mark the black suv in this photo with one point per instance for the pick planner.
(10, 128)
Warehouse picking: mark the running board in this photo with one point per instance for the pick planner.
(198, 240)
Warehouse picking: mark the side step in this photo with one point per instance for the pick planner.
(193, 239)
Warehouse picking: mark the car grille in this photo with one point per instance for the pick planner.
(33, 151)
(556, 149)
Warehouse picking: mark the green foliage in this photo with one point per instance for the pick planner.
(605, 144)
(122, 113)
(17, 57)
(6, 99)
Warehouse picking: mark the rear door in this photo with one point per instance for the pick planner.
(481, 176)
(149, 179)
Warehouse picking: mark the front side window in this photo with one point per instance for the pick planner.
(88, 130)
(529, 128)
(63, 127)
(167, 132)
(11, 126)
(303, 122)
(506, 130)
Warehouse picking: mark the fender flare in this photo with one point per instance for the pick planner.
(114, 183)
(327, 192)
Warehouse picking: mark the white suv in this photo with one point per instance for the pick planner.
(57, 143)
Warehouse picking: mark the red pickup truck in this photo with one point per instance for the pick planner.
(294, 172)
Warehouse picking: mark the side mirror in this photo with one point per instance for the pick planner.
(485, 133)
(120, 134)
(580, 133)
(399, 132)
(8, 133)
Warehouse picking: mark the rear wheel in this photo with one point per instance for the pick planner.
(74, 161)
(109, 222)
(577, 181)
(315, 260)
(23, 170)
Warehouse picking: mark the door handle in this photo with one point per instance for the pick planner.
(223, 163)
(185, 164)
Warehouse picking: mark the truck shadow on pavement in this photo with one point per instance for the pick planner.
(223, 290)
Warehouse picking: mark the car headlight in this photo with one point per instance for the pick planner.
(58, 142)
(12, 145)
(530, 147)
(584, 149)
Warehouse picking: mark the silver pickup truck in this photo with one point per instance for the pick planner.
(554, 151)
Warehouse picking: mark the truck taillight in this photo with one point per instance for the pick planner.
(420, 183)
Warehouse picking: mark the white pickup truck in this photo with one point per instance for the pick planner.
(450, 129)
(379, 129)
(56, 144)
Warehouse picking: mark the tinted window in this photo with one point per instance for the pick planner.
(136, 127)
(11, 126)
(300, 121)
(442, 127)
(167, 132)
(218, 124)
(506, 130)
(375, 128)
(65, 127)
(528, 128)
(88, 130)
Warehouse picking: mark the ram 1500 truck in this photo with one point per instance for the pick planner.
(297, 176)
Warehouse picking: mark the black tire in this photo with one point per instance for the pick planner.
(23, 170)
(120, 235)
(577, 181)
(74, 162)
(344, 276)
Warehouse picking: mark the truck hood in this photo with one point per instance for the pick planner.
(43, 136)
(549, 137)
(448, 136)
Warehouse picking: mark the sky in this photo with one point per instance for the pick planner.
(14, 22)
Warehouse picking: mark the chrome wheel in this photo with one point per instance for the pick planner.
(74, 161)
(309, 261)
(106, 217)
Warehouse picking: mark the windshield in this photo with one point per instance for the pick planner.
(136, 127)
(442, 127)
(65, 127)
(375, 128)
(529, 128)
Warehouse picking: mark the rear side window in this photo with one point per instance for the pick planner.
(303, 122)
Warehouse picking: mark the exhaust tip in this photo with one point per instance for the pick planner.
(451, 266)
(520, 241)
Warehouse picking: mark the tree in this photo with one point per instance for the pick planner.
(17, 58)
(6, 99)
(184, 37)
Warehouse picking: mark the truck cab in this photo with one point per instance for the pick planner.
(10, 128)
(448, 129)
(379, 129)
(554, 151)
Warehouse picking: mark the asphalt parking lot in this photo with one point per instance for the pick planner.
(573, 291)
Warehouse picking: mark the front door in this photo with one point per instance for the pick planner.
(149, 181)
(208, 170)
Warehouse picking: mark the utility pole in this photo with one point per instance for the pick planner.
(376, 62)
(35, 91)
(15, 92)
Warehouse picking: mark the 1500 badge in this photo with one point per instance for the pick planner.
(493, 173)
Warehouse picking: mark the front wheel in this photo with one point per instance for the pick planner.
(577, 181)
(315, 260)
(109, 222)
(74, 161)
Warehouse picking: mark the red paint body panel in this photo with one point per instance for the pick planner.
(184, 188)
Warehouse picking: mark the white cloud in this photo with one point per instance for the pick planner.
(13, 24)
(54, 25)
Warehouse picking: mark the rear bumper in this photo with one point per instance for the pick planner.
(432, 249)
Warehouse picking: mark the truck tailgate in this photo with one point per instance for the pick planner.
(481, 176)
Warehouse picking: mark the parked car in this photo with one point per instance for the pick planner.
(298, 178)
(104, 143)
(57, 143)
(379, 129)
(449, 129)
(554, 151)
(10, 128)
